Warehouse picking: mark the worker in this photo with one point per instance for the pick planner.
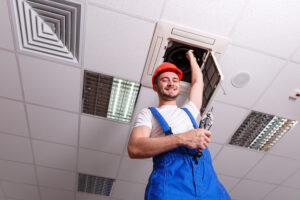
(171, 136)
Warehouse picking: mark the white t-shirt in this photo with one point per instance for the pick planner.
(176, 118)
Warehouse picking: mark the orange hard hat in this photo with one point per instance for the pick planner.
(166, 66)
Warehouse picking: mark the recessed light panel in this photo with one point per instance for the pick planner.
(50, 28)
(94, 184)
(108, 96)
(261, 131)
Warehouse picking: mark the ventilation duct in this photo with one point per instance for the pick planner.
(170, 43)
(49, 28)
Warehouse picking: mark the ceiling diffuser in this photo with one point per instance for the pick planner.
(51, 28)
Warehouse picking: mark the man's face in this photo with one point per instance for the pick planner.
(168, 86)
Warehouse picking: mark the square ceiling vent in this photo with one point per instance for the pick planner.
(261, 131)
(109, 97)
(49, 28)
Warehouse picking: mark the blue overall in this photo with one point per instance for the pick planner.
(179, 174)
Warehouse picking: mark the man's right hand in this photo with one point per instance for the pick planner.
(196, 138)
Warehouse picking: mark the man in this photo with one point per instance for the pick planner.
(170, 135)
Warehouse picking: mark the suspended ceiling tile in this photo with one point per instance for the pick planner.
(283, 193)
(121, 188)
(293, 181)
(9, 76)
(224, 127)
(216, 17)
(56, 178)
(98, 163)
(276, 99)
(6, 37)
(17, 172)
(235, 161)
(249, 190)
(13, 117)
(270, 26)
(228, 182)
(262, 70)
(296, 56)
(273, 169)
(53, 125)
(103, 135)
(289, 144)
(20, 191)
(50, 84)
(15, 148)
(54, 155)
(135, 7)
(49, 28)
(86, 196)
(117, 45)
(135, 170)
(50, 194)
(214, 149)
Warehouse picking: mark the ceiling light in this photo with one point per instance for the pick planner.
(261, 131)
(108, 96)
(94, 184)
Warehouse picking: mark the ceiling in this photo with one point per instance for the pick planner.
(45, 140)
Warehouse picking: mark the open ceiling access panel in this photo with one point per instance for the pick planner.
(171, 42)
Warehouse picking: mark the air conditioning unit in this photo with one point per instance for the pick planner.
(170, 43)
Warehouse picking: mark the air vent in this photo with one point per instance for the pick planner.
(261, 131)
(94, 184)
(109, 97)
(51, 28)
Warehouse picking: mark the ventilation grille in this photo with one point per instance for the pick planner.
(261, 131)
(94, 184)
(49, 27)
(109, 97)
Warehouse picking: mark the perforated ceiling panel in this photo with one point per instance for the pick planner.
(50, 28)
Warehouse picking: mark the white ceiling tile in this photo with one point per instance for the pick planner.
(51, 194)
(56, 178)
(13, 171)
(217, 16)
(20, 191)
(228, 182)
(86, 196)
(15, 148)
(53, 125)
(262, 70)
(50, 84)
(9, 76)
(293, 181)
(98, 163)
(249, 190)
(236, 161)
(13, 117)
(288, 145)
(135, 170)
(214, 149)
(101, 134)
(135, 7)
(281, 193)
(267, 170)
(270, 26)
(226, 120)
(117, 45)
(1, 193)
(6, 37)
(282, 87)
(123, 190)
(296, 56)
(54, 155)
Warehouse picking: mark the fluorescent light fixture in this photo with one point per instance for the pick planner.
(108, 96)
(261, 131)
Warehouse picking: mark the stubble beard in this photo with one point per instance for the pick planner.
(165, 96)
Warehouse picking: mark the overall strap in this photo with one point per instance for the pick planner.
(191, 117)
(164, 125)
